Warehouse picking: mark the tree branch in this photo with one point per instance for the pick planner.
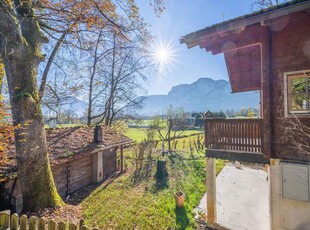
(50, 60)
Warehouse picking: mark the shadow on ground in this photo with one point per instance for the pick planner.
(181, 218)
(77, 197)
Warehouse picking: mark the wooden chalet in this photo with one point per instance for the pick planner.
(78, 156)
(267, 51)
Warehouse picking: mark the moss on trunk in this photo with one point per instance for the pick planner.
(21, 67)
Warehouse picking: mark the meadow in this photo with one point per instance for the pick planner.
(137, 199)
(139, 134)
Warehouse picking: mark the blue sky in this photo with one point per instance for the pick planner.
(180, 18)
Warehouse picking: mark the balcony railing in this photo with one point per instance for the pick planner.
(242, 135)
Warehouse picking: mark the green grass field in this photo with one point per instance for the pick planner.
(139, 134)
(137, 200)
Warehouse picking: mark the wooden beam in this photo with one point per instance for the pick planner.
(267, 93)
(251, 36)
(122, 159)
(243, 75)
(232, 155)
(211, 191)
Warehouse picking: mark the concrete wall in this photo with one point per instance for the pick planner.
(286, 214)
(97, 167)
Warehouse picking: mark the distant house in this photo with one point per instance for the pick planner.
(199, 121)
(78, 156)
(268, 51)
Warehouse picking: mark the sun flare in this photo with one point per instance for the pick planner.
(163, 54)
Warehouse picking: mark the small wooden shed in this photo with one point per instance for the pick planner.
(78, 156)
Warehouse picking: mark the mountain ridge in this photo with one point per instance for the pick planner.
(199, 96)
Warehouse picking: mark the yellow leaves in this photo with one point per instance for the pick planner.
(6, 134)
(75, 88)
(22, 140)
(9, 3)
(1, 70)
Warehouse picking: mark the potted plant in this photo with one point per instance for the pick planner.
(179, 197)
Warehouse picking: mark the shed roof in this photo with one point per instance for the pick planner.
(66, 144)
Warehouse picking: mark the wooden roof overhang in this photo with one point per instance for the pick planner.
(243, 42)
(242, 50)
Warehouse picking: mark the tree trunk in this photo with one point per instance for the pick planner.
(169, 135)
(90, 102)
(1, 78)
(35, 174)
(21, 56)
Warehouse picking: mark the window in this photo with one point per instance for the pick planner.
(298, 92)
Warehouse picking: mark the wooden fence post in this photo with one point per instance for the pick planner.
(72, 227)
(51, 225)
(14, 221)
(122, 159)
(5, 219)
(41, 224)
(84, 227)
(32, 223)
(61, 225)
(23, 222)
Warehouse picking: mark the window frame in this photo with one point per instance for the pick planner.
(288, 113)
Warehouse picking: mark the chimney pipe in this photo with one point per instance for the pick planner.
(98, 134)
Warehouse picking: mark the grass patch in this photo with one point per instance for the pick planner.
(139, 134)
(138, 200)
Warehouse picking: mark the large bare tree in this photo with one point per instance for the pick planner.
(117, 74)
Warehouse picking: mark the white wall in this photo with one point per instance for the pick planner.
(285, 213)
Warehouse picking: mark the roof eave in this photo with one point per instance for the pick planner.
(194, 39)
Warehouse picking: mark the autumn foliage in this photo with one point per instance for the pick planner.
(6, 133)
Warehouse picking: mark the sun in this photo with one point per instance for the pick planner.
(163, 54)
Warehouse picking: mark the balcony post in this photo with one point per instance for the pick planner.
(211, 191)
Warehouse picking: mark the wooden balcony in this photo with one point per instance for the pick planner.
(235, 139)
